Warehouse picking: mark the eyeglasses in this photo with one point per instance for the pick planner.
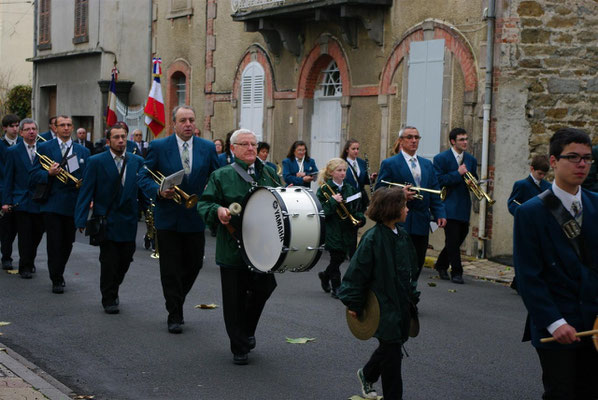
(410, 137)
(246, 144)
(576, 158)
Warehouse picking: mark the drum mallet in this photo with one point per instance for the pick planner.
(593, 332)
(234, 209)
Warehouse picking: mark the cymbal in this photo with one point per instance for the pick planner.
(364, 326)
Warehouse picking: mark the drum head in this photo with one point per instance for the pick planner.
(263, 230)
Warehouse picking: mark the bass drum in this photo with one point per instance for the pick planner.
(282, 229)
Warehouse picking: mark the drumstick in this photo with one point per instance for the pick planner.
(234, 209)
(578, 334)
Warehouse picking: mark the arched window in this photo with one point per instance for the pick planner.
(180, 82)
(252, 99)
(331, 83)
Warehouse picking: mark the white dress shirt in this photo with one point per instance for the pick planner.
(458, 156)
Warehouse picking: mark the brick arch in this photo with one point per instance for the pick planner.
(318, 58)
(454, 41)
(178, 66)
(258, 54)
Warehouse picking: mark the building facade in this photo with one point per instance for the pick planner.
(78, 42)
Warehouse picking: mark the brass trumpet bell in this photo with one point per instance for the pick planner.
(442, 192)
(342, 211)
(476, 189)
(63, 175)
(180, 196)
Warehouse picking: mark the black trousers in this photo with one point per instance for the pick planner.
(244, 295)
(181, 258)
(570, 373)
(333, 271)
(115, 258)
(455, 233)
(8, 233)
(386, 362)
(60, 235)
(420, 243)
(30, 228)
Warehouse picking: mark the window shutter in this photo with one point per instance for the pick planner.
(252, 99)
(44, 22)
(81, 9)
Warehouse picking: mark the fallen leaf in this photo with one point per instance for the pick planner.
(2, 349)
(452, 290)
(206, 306)
(2, 323)
(84, 396)
(507, 268)
(432, 284)
(356, 397)
(12, 271)
(301, 340)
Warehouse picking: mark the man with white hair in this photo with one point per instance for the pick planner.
(82, 139)
(244, 291)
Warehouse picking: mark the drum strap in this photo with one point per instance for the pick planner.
(243, 174)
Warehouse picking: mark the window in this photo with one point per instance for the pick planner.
(181, 89)
(81, 21)
(331, 83)
(179, 8)
(252, 99)
(424, 97)
(44, 25)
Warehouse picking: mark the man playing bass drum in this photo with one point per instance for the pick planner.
(244, 291)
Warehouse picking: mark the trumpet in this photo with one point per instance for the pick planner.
(476, 189)
(63, 175)
(342, 211)
(442, 192)
(180, 197)
(39, 137)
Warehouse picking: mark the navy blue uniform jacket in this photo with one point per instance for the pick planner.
(291, 167)
(16, 179)
(524, 190)
(551, 279)
(396, 170)
(458, 199)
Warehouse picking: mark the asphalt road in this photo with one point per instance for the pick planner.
(469, 346)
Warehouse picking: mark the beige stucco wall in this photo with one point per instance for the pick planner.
(16, 44)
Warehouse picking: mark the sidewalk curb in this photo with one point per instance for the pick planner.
(33, 375)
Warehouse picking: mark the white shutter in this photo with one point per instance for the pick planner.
(424, 97)
(252, 99)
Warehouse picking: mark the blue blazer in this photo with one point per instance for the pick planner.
(362, 180)
(163, 156)
(458, 199)
(100, 185)
(524, 190)
(551, 280)
(225, 159)
(290, 167)
(63, 197)
(421, 212)
(3, 148)
(47, 135)
(16, 179)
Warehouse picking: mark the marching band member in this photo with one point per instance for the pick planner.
(17, 196)
(263, 149)
(8, 227)
(531, 186)
(341, 233)
(298, 168)
(408, 167)
(555, 253)
(51, 132)
(450, 167)
(59, 208)
(357, 175)
(180, 230)
(244, 291)
(110, 182)
(226, 156)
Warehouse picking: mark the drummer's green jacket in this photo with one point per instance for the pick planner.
(341, 235)
(385, 263)
(224, 187)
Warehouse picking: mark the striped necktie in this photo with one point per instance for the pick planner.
(185, 158)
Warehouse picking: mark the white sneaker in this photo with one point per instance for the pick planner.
(366, 387)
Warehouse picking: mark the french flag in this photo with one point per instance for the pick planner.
(154, 108)
(111, 109)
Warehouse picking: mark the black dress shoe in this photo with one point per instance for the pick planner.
(240, 359)
(324, 282)
(458, 279)
(174, 327)
(26, 275)
(443, 274)
(113, 309)
(7, 265)
(334, 293)
(251, 340)
(58, 288)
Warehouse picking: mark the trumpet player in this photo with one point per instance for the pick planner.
(451, 165)
(407, 167)
(180, 230)
(17, 196)
(343, 218)
(110, 183)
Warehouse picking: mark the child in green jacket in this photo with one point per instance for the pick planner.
(385, 263)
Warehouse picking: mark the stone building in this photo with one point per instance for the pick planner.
(327, 70)
(77, 44)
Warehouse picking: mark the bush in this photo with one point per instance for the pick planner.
(19, 101)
